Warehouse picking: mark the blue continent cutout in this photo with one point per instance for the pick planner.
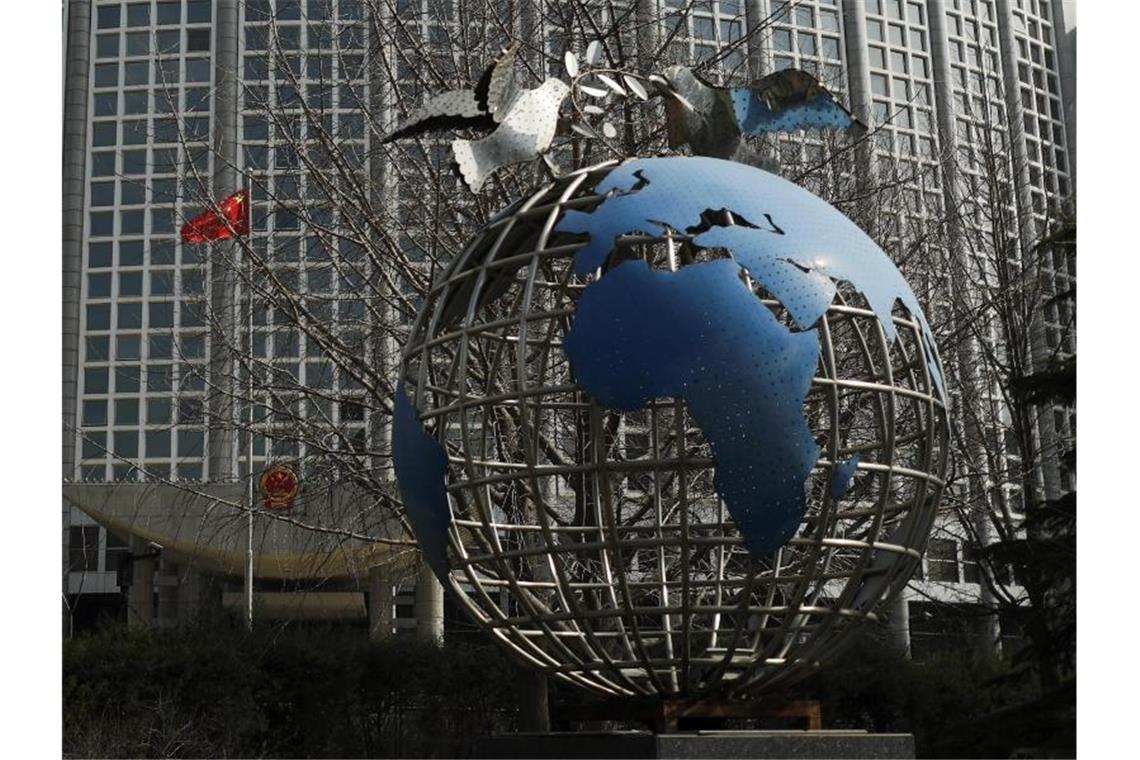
(421, 474)
(755, 117)
(700, 334)
(799, 244)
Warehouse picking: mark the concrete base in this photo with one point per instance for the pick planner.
(704, 744)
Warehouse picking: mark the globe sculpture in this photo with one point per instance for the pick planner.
(673, 426)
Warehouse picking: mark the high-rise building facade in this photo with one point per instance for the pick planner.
(166, 105)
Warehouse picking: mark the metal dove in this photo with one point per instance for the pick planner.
(523, 121)
(713, 120)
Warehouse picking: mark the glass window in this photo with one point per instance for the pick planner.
(830, 47)
(127, 379)
(116, 549)
(130, 283)
(99, 255)
(158, 377)
(98, 316)
(161, 220)
(190, 443)
(106, 104)
(161, 346)
(102, 223)
(162, 191)
(193, 281)
(351, 411)
(102, 164)
(107, 46)
(103, 133)
(136, 72)
(98, 286)
(95, 412)
(190, 470)
(806, 43)
(136, 101)
(134, 132)
(98, 348)
(102, 193)
(93, 443)
(158, 411)
(169, 13)
(198, 99)
(162, 251)
(158, 444)
(161, 283)
(970, 570)
(161, 315)
(942, 560)
(138, 43)
(130, 316)
(126, 411)
(127, 443)
(189, 410)
(198, 11)
(168, 41)
(132, 222)
(95, 379)
(193, 346)
(138, 14)
(131, 193)
(83, 545)
(106, 74)
(131, 253)
(108, 17)
(878, 57)
(134, 162)
(352, 37)
(197, 40)
(127, 347)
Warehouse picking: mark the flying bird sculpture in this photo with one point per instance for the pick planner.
(521, 122)
(713, 120)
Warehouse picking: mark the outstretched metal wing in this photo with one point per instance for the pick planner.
(455, 109)
(478, 108)
(497, 88)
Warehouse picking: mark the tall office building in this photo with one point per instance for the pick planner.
(154, 123)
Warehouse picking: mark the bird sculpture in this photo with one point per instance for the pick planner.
(521, 122)
(713, 120)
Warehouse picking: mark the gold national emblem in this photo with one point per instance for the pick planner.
(279, 486)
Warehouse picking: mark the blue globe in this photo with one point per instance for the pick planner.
(671, 426)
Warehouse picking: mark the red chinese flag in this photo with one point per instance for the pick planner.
(212, 225)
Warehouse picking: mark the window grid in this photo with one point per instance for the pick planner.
(149, 130)
(292, 51)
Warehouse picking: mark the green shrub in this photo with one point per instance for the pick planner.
(215, 690)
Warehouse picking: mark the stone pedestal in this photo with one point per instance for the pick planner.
(705, 744)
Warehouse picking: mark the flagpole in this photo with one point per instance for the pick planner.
(250, 411)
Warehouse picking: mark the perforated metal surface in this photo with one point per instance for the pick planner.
(592, 541)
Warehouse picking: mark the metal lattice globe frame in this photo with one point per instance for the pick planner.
(593, 545)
